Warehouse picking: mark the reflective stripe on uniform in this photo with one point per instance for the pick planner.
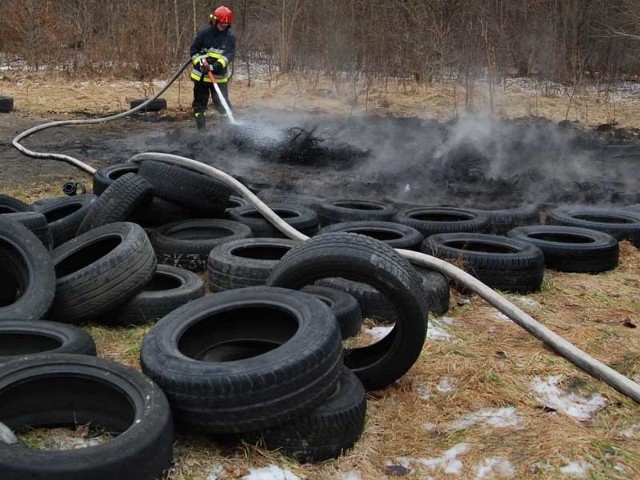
(197, 76)
(211, 56)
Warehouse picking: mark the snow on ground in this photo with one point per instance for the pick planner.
(437, 332)
(350, 475)
(492, 417)
(529, 302)
(378, 333)
(404, 462)
(495, 467)
(271, 472)
(215, 472)
(449, 321)
(446, 385)
(447, 462)
(429, 427)
(423, 392)
(576, 469)
(577, 406)
(631, 432)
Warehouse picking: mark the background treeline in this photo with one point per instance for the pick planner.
(422, 40)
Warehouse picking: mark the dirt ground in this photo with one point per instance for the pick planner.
(41, 97)
(267, 106)
(485, 400)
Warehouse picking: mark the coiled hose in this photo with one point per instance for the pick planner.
(562, 347)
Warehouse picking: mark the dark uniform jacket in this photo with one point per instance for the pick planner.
(214, 45)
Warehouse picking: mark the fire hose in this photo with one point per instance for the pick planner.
(561, 346)
(74, 161)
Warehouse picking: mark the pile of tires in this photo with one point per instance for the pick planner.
(245, 328)
(259, 362)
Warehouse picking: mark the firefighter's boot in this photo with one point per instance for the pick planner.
(201, 121)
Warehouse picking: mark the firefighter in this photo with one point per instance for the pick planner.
(217, 45)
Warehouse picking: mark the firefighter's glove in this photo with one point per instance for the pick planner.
(205, 68)
(217, 68)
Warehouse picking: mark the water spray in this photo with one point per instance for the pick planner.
(223, 100)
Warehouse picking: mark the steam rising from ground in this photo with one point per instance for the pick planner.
(476, 161)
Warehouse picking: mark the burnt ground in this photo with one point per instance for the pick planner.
(472, 162)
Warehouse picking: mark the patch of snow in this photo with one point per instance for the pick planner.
(577, 406)
(496, 417)
(216, 472)
(449, 321)
(350, 475)
(495, 467)
(272, 472)
(429, 427)
(446, 385)
(436, 332)
(577, 469)
(529, 302)
(423, 392)
(448, 462)
(378, 333)
(619, 468)
(631, 432)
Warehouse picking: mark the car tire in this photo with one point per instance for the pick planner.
(106, 176)
(246, 359)
(101, 270)
(71, 390)
(169, 288)
(27, 276)
(364, 259)
(327, 431)
(154, 106)
(501, 263)
(344, 306)
(19, 338)
(572, 249)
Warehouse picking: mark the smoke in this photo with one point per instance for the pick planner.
(476, 161)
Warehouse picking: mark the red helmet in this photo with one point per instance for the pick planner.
(222, 15)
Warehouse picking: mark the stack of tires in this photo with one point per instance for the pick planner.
(259, 359)
(49, 376)
(259, 356)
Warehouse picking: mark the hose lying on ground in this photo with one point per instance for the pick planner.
(564, 348)
(74, 161)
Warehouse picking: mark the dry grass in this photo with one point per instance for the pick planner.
(490, 363)
(54, 95)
